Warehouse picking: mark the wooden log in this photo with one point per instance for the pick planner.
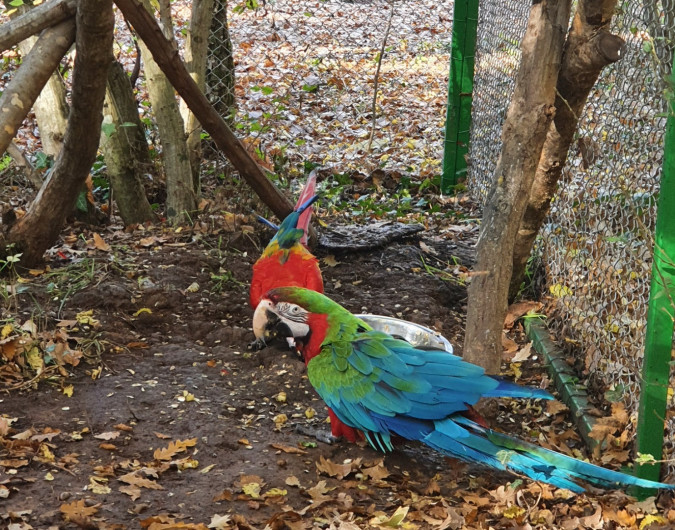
(34, 21)
(26, 85)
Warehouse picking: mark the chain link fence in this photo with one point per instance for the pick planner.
(306, 74)
(596, 247)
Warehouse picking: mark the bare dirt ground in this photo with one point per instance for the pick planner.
(167, 421)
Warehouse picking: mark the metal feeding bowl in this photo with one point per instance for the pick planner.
(418, 336)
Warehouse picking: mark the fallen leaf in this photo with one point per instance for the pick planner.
(554, 406)
(252, 489)
(395, 520)
(123, 427)
(377, 471)
(13, 462)
(225, 495)
(220, 522)
(523, 354)
(100, 244)
(338, 471)
(78, 509)
(508, 345)
(135, 478)
(110, 435)
(207, 469)
(289, 449)
(330, 261)
(519, 309)
(275, 492)
(98, 485)
(161, 436)
(292, 481)
(133, 491)
(173, 448)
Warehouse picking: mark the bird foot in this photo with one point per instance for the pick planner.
(320, 435)
(256, 345)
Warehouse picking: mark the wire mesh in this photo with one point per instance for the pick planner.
(596, 246)
(305, 75)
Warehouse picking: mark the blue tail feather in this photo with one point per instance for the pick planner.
(461, 438)
(508, 389)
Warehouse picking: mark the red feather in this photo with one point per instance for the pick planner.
(301, 269)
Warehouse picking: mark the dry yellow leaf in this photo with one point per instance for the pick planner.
(174, 447)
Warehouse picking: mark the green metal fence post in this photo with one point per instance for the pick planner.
(660, 314)
(460, 92)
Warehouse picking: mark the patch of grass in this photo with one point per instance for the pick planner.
(223, 278)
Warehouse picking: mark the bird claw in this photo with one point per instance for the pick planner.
(256, 345)
(320, 435)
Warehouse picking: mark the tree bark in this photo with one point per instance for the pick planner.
(523, 136)
(169, 60)
(26, 85)
(125, 148)
(39, 228)
(589, 48)
(34, 21)
(51, 109)
(196, 47)
(181, 201)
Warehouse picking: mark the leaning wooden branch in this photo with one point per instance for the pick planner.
(34, 21)
(26, 85)
(589, 48)
(169, 60)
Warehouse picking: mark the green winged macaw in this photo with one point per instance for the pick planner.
(384, 387)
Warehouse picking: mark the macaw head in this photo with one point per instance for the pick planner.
(291, 231)
(305, 315)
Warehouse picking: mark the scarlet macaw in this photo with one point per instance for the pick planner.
(286, 261)
(383, 386)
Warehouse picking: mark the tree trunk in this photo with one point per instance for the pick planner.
(196, 47)
(51, 109)
(523, 136)
(26, 85)
(167, 57)
(39, 228)
(34, 21)
(589, 48)
(180, 197)
(125, 148)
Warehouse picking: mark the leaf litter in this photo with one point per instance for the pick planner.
(125, 451)
(132, 391)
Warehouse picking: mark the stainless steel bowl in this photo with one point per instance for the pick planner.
(417, 335)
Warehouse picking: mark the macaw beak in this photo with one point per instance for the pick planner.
(264, 320)
(267, 324)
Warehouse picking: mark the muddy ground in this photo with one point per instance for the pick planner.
(177, 425)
